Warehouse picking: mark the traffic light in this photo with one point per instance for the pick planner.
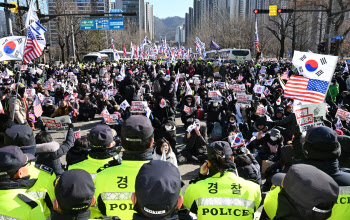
(261, 11)
(321, 47)
(284, 10)
(332, 51)
(15, 9)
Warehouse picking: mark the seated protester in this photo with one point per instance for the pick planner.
(230, 125)
(64, 109)
(5, 123)
(269, 146)
(86, 110)
(74, 192)
(213, 115)
(260, 126)
(279, 114)
(305, 192)
(213, 194)
(75, 105)
(188, 110)
(247, 166)
(196, 141)
(288, 126)
(168, 132)
(14, 182)
(162, 111)
(164, 152)
(78, 152)
(102, 151)
(49, 152)
(49, 108)
(344, 159)
(157, 191)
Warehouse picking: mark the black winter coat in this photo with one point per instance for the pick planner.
(248, 168)
(49, 154)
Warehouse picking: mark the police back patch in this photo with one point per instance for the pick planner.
(44, 168)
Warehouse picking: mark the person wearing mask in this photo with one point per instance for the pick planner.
(14, 182)
(49, 152)
(42, 190)
(64, 109)
(102, 151)
(115, 184)
(164, 152)
(305, 192)
(86, 110)
(74, 192)
(321, 149)
(189, 110)
(218, 191)
(18, 106)
(230, 125)
(157, 191)
(168, 132)
(279, 114)
(196, 141)
(213, 115)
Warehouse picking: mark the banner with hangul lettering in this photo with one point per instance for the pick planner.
(187, 109)
(112, 92)
(93, 81)
(111, 119)
(310, 115)
(238, 88)
(213, 95)
(56, 124)
(138, 106)
(221, 85)
(344, 115)
(76, 135)
(243, 98)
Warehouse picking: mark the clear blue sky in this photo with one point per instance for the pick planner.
(170, 8)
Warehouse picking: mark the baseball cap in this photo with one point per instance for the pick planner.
(74, 190)
(157, 188)
(19, 135)
(309, 187)
(222, 146)
(136, 129)
(101, 136)
(12, 159)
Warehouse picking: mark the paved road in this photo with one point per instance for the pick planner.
(187, 170)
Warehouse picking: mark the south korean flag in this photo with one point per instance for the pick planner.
(315, 66)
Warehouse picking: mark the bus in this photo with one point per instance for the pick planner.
(95, 57)
(109, 53)
(230, 54)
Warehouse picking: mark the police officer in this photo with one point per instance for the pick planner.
(42, 190)
(305, 192)
(14, 182)
(221, 194)
(74, 191)
(157, 191)
(103, 150)
(115, 185)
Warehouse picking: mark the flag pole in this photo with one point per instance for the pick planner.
(14, 107)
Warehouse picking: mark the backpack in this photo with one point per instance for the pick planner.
(156, 87)
(129, 92)
(217, 131)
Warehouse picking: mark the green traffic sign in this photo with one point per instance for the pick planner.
(87, 23)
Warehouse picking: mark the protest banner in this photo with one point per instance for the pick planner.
(344, 115)
(261, 110)
(198, 100)
(45, 99)
(237, 87)
(30, 93)
(138, 106)
(259, 89)
(112, 92)
(213, 95)
(76, 135)
(221, 85)
(56, 124)
(310, 115)
(243, 98)
(188, 110)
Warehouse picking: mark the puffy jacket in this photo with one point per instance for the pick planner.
(290, 123)
(49, 154)
(20, 109)
(61, 111)
(248, 168)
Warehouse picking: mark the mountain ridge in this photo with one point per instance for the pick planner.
(167, 27)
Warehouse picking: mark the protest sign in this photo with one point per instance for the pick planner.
(76, 135)
(261, 110)
(221, 85)
(45, 99)
(213, 95)
(259, 89)
(310, 115)
(138, 106)
(243, 98)
(30, 93)
(237, 87)
(344, 115)
(112, 92)
(198, 100)
(188, 110)
(56, 124)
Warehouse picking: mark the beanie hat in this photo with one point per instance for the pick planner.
(321, 143)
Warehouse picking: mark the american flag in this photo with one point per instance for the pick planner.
(32, 49)
(305, 89)
(256, 36)
(38, 110)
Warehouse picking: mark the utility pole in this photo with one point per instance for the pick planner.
(294, 27)
(8, 20)
(73, 42)
(328, 26)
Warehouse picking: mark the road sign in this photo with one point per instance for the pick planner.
(339, 37)
(102, 24)
(333, 39)
(272, 10)
(115, 10)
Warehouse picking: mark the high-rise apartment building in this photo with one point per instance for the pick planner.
(180, 34)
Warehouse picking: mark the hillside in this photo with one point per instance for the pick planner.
(167, 27)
